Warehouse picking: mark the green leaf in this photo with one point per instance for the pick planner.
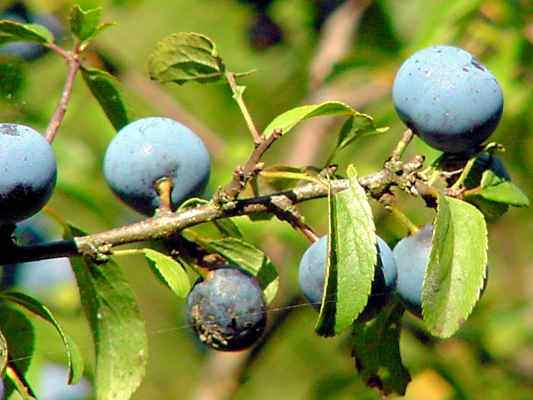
(169, 271)
(11, 31)
(75, 362)
(490, 209)
(3, 353)
(352, 256)
(457, 266)
(252, 260)
(106, 89)
(12, 77)
(20, 337)
(357, 126)
(118, 329)
(84, 24)
(228, 228)
(289, 119)
(376, 349)
(499, 190)
(185, 57)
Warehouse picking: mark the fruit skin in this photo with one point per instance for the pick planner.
(412, 257)
(313, 268)
(149, 149)
(52, 384)
(227, 310)
(28, 172)
(448, 98)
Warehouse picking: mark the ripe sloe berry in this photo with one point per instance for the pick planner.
(412, 258)
(313, 268)
(227, 310)
(152, 148)
(448, 98)
(28, 172)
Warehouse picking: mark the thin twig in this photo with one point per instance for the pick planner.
(73, 60)
(237, 96)
(402, 145)
(242, 175)
(167, 225)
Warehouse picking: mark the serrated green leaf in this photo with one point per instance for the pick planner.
(20, 337)
(457, 266)
(352, 256)
(169, 271)
(499, 190)
(106, 89)
(11, 31)
(118, 329)
(74, 359)
(185, 57)
(84, 24)
(252, 260)
(376, 349)
(289, 119)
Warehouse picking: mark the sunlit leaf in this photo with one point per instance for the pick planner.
(352, 256)
(169, 271)
(457, 266)
(185, 57)
(118, 329)
(75, 362)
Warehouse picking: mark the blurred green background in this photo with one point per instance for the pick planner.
(490, 358)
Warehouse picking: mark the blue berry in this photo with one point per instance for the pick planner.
(28, 172)
(152, 148)
(412, 257)
(448, 98)
(227, 310)
(313, 268)
(53, 385)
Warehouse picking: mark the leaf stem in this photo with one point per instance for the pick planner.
(464, 174)
(164, 189)
(21, 385)
(297, 176)
(403, 219)
(74, 64)
(237, 96)
(127, 252)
